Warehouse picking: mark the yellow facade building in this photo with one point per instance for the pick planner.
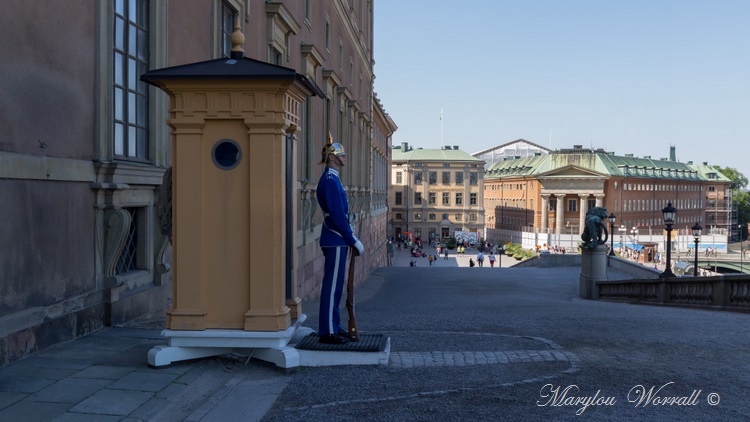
(436, 193)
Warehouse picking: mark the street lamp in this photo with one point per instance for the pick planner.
(697, 237)
(612, 234)
(669, 214)
(742, 252)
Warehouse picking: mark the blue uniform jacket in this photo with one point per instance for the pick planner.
(335, 205)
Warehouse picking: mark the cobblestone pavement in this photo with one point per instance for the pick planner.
(475, 344)
(515, 343)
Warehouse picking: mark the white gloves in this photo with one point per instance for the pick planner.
(359, 247)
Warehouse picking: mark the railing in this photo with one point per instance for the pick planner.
(722, 292)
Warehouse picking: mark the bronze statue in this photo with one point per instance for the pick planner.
(595, 226)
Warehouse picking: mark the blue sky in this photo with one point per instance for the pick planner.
(628, 76)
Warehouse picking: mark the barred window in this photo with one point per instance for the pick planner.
(128, 259)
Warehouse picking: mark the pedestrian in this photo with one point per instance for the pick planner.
(411, 263)
(491, 257)
(446, 253)
(471, 262)
(430, 259)
(336, 237)
(480, 259)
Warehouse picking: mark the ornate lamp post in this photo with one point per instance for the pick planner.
(697, 237)
(612, 234)
(669, 214)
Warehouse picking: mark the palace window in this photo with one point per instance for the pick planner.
(130, 104)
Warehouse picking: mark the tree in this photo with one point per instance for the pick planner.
(741, 196)
(739, 181)
(742, 199)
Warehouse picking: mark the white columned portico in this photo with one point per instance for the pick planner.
(582, 210)
(599, 199)
(545, 212)
(559, 214)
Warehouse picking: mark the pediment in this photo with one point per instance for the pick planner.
(572, 171)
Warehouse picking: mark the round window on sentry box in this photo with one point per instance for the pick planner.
(226, 154)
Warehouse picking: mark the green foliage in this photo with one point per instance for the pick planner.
(742, 199)
(741, 196)
(451, 243)
(739, 181)
(517, 251)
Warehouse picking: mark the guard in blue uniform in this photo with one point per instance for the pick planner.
(336, 237)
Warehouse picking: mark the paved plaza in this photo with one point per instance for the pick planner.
(474, 344)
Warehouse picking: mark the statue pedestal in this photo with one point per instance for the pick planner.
(593, 269)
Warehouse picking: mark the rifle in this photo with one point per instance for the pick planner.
(353, 333)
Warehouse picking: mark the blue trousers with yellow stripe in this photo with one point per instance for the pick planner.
(331, 290)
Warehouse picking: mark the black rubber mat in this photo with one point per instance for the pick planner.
(366, 343)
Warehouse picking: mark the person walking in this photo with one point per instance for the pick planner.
(480, 259)
(491, 257)
(336, 237)
(430, 259)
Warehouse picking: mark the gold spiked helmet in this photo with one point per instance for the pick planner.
(331, 148)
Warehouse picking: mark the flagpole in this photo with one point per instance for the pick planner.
(441, 128)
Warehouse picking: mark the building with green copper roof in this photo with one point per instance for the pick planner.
(550, 193)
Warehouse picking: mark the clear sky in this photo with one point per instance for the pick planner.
(629, 76)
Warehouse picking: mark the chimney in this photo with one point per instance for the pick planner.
(404, 146)
(672, 153)
(577, 146)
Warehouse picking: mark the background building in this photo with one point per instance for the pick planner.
(84, 146)
(519, 148)
(550, 194)
(435, 192)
